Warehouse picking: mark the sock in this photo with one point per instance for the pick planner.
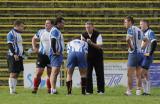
(148, 87)
(11, 84)
(14, 84)
(48, 85)
(36, 83)
(69, 86)
(53, 90)
(144, 84)
(83, 85)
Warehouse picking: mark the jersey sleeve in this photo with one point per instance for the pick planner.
(86, 47)
(37, 35)
(130, 32)
(68, 47)
(99, 40)
(10, 38)
(152, 36)
(54, 34)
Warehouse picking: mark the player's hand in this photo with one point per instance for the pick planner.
(16, 57)
(57, 53)
(89, 41)
(35, 50)
(146, 54)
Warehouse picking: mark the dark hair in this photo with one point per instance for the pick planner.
(17, 22)
(52, 22)
(88, 23)
(145, 21)
(129, 18)
(58, 20)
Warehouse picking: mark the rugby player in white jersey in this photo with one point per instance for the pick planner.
(43, 55)
(134, 40)
(148, 48)
(56, 51)
(77, 56)
(15, 53)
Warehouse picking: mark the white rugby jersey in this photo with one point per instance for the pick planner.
(137, 37)
(44, 36)
(14, 37)
(77, 45)
(56, 34)
(150, 36)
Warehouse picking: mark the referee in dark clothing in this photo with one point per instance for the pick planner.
(95, 58)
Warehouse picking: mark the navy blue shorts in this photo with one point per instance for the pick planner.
(135, 59)
(77, 59)
(147, 61)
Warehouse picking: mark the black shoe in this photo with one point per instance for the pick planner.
(34, 92)
(146, 94)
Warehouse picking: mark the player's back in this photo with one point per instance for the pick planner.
(77, 45)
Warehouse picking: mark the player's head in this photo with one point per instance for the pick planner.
(144, 24)
(89, 26)
(128, 21)
(59, 22)
(48, 24)
(18, 25)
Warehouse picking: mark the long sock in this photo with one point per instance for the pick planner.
(48, 85)
(148, 86)
(36, 83)
(83, 85)
(69, 86)
(144, 85)
(11, 84)
(14, 84)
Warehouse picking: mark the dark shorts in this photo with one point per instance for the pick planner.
(42, 61)
(13, 65)
(147, 61)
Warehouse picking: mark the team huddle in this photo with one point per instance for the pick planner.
(84, 52)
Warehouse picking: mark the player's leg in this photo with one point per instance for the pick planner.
(53, 79)
(138, 80)
(15, 67)
(71, 63)
(82, 64)
(49, 68)
(37, 79)
(48, 79)
(69, 80)
(147, 61)
(83, 72)
(40, 65)
(132, 62)
(12, 82)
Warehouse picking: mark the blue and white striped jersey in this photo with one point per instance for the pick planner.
(77, 45)
(44, 36)
(136, 36)
(150, 36)
(56, 34)
(14, 37)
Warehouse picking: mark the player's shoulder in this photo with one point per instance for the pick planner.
(41, 30)
(11, 32)
(151, 31)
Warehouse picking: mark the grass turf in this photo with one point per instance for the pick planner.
(113, 95)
